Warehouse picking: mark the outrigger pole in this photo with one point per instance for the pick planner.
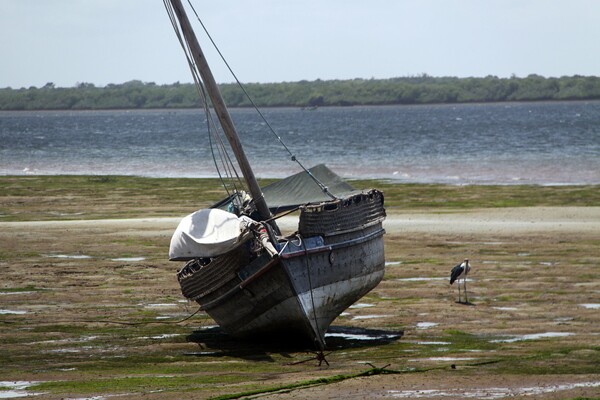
(221, 110)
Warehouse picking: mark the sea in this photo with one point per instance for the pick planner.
(544, 143)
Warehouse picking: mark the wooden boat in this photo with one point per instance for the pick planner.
(253, 280)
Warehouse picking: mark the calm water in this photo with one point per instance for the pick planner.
(544, 143)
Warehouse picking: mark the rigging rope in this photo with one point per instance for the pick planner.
(215, 139)
(293, 157)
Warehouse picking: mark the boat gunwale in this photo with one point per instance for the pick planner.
(343, 232)
(336, 246)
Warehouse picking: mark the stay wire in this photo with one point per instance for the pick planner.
(292, 155)
(230, 172)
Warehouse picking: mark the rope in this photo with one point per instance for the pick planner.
(312, 298)
(283, 214)
(215, 139)
(106, 321)
(293, 157)
(143, 323)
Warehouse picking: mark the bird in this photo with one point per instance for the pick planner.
(459, 272)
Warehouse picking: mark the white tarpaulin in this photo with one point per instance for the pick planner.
(205, 233)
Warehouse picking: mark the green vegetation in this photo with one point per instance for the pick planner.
(431, 196)
(71, 197)
(68, 197)
(422, 89)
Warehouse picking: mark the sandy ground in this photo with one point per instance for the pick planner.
(479, 221)
(536, 271)
(500, 221)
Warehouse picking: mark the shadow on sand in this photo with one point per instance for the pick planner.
(465, 303)
(214, 342)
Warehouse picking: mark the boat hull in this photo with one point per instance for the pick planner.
(298, 294)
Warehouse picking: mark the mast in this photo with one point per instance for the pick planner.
(221, 110)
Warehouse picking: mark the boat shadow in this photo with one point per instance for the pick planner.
(214, 342)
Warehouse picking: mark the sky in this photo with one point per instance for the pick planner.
(68, 42)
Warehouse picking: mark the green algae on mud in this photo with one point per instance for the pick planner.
(66, 316)
(72, 197)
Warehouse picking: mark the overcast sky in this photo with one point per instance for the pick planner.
(114, 41)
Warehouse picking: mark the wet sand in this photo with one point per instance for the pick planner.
(531, 330)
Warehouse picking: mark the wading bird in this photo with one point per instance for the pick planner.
(460, 271)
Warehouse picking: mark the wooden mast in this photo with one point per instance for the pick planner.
(221, 110)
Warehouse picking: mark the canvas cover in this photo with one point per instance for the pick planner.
(205, 233)
(300, 188)
(214, 231)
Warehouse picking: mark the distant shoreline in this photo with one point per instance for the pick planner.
(415, 90)
(192, 108)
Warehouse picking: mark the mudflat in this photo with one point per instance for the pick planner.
(92, 308)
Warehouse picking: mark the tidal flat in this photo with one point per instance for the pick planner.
(90, 305)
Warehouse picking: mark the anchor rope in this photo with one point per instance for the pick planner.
(312, 298)
(108, 321)
(143, 323)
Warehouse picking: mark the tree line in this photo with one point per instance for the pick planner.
(421, 89)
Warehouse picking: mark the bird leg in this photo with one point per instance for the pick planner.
(458, 284)
(466, 298)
